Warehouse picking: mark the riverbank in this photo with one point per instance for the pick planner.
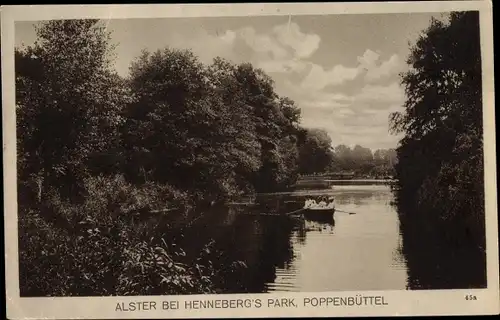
(128, 256)
(115, 241)
(319, 182)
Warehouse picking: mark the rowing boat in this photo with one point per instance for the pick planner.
(325, 213)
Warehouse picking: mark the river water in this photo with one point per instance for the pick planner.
(360, 251)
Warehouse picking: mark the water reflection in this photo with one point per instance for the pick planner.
(282, 253)
(434, 262)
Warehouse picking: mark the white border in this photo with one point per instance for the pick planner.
(400, 303)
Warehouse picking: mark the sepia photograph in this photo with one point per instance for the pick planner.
(277, 154)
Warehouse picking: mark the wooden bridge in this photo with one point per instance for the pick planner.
(328, 176)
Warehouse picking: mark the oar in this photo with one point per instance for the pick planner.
(293, 212)
(345, 211)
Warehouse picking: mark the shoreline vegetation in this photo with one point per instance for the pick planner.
(440, 170)
(98, 154)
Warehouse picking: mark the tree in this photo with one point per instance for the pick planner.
(343, 157)
(362, 157)
(66, 103)
(380, 156)
(173, 131)
(391, 157)
(443, 107)
(238, 123)
(440, 158)
(276, 123)
(218, 129)
(315, 151)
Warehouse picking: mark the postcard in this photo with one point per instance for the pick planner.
(249, 160)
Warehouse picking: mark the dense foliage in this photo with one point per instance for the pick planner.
(97, 152)
(440, 170)
(363, 162)
(316, 154)
(318, 157)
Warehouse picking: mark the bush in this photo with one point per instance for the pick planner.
(95, 248)
(153, 269)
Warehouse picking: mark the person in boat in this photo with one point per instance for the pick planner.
(309, 203)
(323, 202)
(331, 202)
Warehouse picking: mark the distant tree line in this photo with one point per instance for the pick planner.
(440, 189)
(317, 156)
(95, 148)
(363, 161)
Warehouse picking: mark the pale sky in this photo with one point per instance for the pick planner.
(341, 70)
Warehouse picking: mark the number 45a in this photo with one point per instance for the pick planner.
(470, 297)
